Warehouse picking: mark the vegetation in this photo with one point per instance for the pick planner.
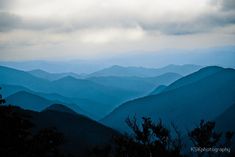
(151, 139)
(205, 136)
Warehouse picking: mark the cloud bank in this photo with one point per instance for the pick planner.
(41, 29)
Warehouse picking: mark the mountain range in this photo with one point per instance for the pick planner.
(145, 72)
(96, 95)
(85, 107)
(201, 95)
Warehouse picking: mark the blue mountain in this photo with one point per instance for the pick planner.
(225, 121)
(202, 73)
(97, 99)
(186, 105)
(158, 90)
(60, 108)
(30, 101)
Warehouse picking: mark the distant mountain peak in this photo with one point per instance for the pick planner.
(60, 108)
(25, 93)
(67, 78)
(28, 100)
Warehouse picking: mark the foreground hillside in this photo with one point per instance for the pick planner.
(80, 133)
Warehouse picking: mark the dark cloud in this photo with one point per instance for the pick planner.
(228, 5)
(5, 4)
(202, 23)
(9, 21)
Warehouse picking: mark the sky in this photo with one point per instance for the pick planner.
(88, 29)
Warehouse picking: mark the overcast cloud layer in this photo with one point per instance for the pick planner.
(33, 29)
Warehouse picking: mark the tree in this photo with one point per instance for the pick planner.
(148, 140)
(2, 101)
(205, 136)
(46, 143)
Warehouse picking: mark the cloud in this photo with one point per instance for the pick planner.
(6, 4)
(176, 18)
(113, 25)
(9, 21)
(227, 5)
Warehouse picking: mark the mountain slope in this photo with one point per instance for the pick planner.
(158, 90)
(81, 133)
(186, 105)
(8, 90)
(59, 108)
(225, 121)
(83, 89)
(16, 77)
(145, 72)
(28, 101)
(31, 101)
(202, 73)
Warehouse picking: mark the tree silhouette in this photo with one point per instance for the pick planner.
(2, 101)
(149, 140)
(205, 136)
(46, 143)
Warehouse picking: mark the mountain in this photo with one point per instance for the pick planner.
(164, 79)
(28, 101)
(97, 99)
(81, 133)
(103, 98)
(52, 76)
(202, 73)
(8, 90)
(186, 105)
(145, 72)
(60, 108)
(32, 101)
(12, 76)
(158, 90)
(225, 121)
(73, 103)
(137, 84)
